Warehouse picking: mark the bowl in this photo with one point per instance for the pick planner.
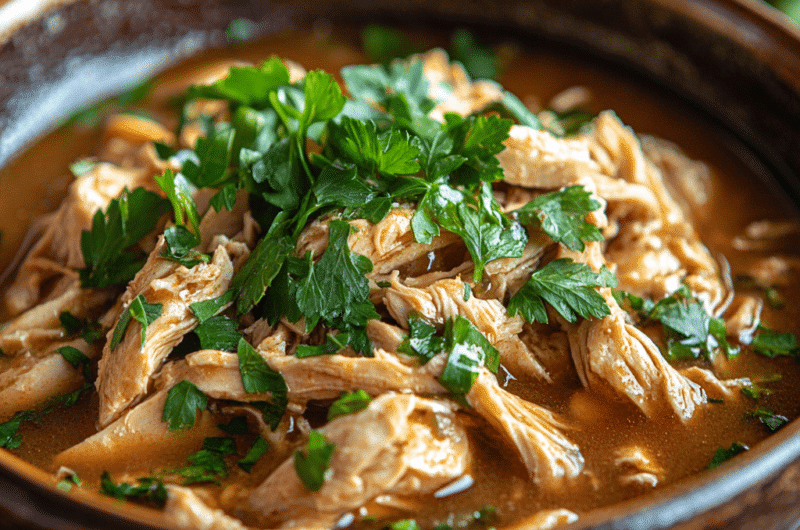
(736, 63)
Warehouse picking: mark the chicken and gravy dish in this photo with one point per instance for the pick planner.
(391, 297)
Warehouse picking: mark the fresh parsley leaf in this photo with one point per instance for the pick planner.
(405, 524)
(149, 488)
(772, 421)
(382, 43)
(219, 333)
(237, 425)
(469, 351)
(569, 287)
(105, 248)
(257, 377)
(206, 309)
(335, 289)
(119, 330)
(277, 175)
(486, 231)
(259, 448)
(562, 216)
(68, 482)
(248, 85)
(388, 153)
(312, 465)
(479, 61)
(256, 275)
(89, 330)
(208, 464)
(9, 439)
(144, 313)
(771, 343)
(349, 404)
(723, 454)
(333, 344)
(73, 356)
(422, 339)
(183, 401)
(323, 99)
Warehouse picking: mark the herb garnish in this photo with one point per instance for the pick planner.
(312, 465)
(149, 489)
(349, 403)
(180, 409)
(723, 454)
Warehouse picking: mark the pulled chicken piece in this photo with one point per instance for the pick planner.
(125, 374)
(399, 445)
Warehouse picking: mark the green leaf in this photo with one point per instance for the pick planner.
(257, 377)
(206, 309)
(562, 216)
(469, 351)
(567, 286)
(259, 448)
(422, 340)
(772, 421)
(144, 313)
(180, 247)
(771, 343)
(105, 247)
(349, 404)
(89, 330)
(333, 343)
(723, 454)
(405, 524)
(248, 85)
(219, 333)
(81, 167)
(149, 488)
(119, 330)
(237, 425)
(183, 401)
(339, 185)
(256, 275)
(278, 174)
(67, 483)
(214, 154)
(73, 356)
(9, 439)
(323, 98)
(336, 288)
(389, 152)
(478, 139)
(312, 465)
(479, 61)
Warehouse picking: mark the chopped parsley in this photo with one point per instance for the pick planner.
(772, 421)
(259, 448)
(140, 310)
(219, 333)
(562, 216)
(569, 287)
(9, 439)
(89, 330)
(180, 409)
(208, 464)
(258, 378)
(349, 403)
(312, 464)
(149, 489)
(772, 343)
(68, 482)
(106, 247)
(723, 455)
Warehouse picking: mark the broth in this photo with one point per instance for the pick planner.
(737, 198)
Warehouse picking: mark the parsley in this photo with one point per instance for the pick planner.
(68, 482)
(181, 241)
(405, 524)
(89, 330)
(208, 464)
(333, 344)
(180, 409)
(569, 287)
(264, 263)
(349, 404)
(723, 454)
(105, 248)
(249, 85)
(772, 421)
(479, 61)
(9, 439)
(259, 448)
(468, 350)
(142, 312)
(73, 356)
(206, 309)
(562, 216)
(237, 425)
(313, 464)
(149, 488)
(772, 344)
(257, 377)
(81, 167)
(219, 333)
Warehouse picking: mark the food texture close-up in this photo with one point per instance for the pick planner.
(293, 265)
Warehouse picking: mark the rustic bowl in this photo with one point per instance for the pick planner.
(736, 62)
